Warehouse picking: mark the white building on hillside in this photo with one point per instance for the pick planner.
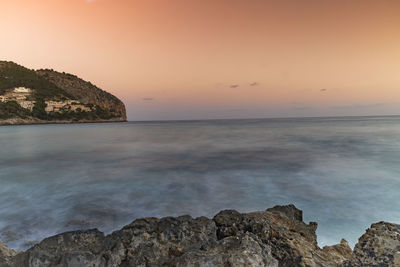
(22, 90)
(27, 104)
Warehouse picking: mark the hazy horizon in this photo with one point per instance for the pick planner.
(269, 118)
(185, 60)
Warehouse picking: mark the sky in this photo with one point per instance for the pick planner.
(213, 59)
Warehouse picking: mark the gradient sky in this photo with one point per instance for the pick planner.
(204, 59)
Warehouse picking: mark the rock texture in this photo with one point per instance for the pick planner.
(379, 246)
(6, 254)
(84, 91)
(275, 237)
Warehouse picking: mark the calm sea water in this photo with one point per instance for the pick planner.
(343, 172)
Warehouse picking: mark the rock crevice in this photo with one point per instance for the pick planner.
(275, 237)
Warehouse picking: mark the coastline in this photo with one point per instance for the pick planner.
(274, 237)
(20, 122)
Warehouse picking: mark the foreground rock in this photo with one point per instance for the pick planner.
(6, 255)
(379, 246)
(276, 237)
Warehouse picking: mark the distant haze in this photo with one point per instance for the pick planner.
(204, 59)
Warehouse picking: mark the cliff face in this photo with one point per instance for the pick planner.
(84, 91)
(275, 237)
(46, 96)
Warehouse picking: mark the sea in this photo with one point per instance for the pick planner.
(342, 172)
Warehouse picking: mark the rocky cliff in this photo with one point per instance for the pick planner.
(84, 91)
(275, 237)
(47, 96)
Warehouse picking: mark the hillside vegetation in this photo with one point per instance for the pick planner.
(52, 88)
(13, 75)
(13, 109)
(84, 91)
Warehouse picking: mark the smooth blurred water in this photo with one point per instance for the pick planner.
(343, 172)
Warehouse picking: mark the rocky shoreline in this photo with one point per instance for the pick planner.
(35, 121)
(275, 237)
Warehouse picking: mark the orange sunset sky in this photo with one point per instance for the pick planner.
(204, 59)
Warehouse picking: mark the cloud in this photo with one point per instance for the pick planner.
(303, 108)
(148, 99)
(234, 86)
(324, 90)
(254, 84)
(235, 110)
(358, 106)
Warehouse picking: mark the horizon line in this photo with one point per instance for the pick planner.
(265, 118)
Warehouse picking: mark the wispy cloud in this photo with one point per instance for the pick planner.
(254, 84)
(234, 86)
(148, 99)
(359, 106)
(303, 108)
(235, 110)
(324, 90)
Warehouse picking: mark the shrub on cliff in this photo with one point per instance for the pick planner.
(13, 75)
(39, 110)
(11, 109)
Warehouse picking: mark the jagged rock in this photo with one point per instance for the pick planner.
(289, 211)
(379, 246)
(6, 254)
(79, 248)
(243, 250)
(332, 255)
(275, 237)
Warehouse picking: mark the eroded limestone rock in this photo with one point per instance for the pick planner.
(275, 237)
